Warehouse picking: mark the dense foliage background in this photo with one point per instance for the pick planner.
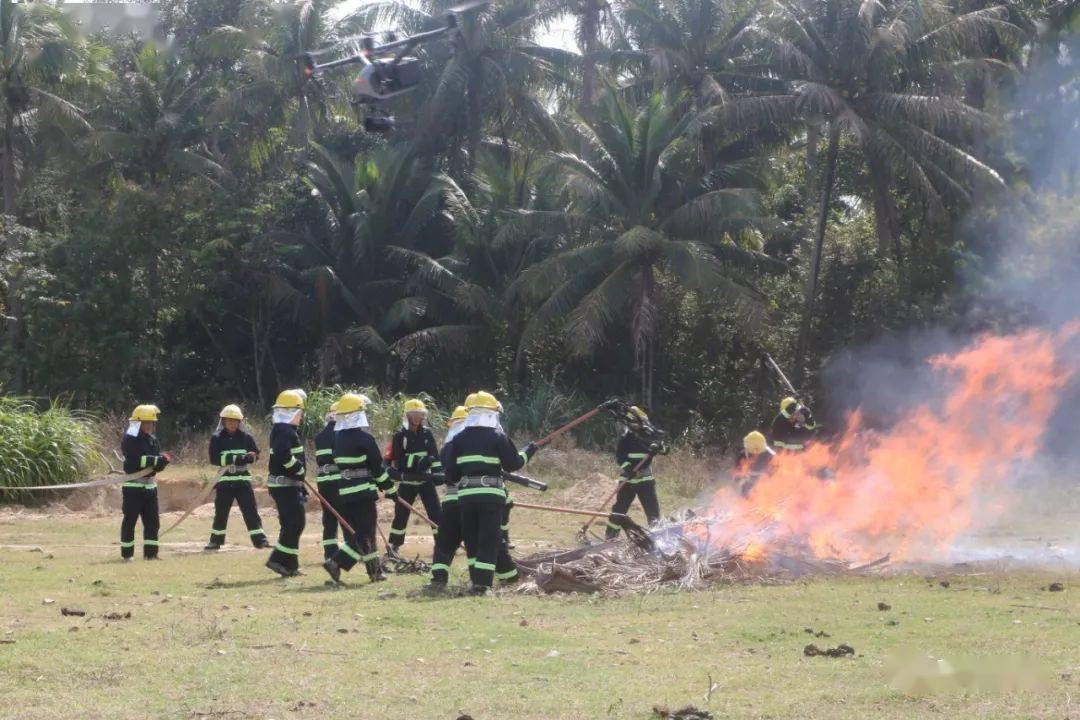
(704, 181)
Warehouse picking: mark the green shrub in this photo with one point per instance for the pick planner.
(42, 447)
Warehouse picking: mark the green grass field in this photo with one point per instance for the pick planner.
(217, 636)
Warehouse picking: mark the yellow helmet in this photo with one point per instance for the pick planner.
(483, 399)
(334, 406)
(415, 405)
(350, 403)
(787, 404)
(754, 443)
(145, 413)
(290, 400)
(639, 412)
(459, 414)
(231, 412)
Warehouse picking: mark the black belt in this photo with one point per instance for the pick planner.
(488, 481)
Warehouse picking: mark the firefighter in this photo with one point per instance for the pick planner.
(142, 454)
(794, 427)
(233, 450)
(415, 455)
(362, 475)
(474, 462)
(328, 478)
(634, 456)
(448, 538)
(754, 461)
(285, 480)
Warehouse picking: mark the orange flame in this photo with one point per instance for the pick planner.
(909, 491)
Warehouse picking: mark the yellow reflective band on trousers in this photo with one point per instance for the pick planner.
(506, 575)
(484, 566)
(256, 531)
(288, 551)
(350, 552)
(127, 544)
(298, 450)
(369, 557)
(329, 542)
(440, 566)
(324, 451)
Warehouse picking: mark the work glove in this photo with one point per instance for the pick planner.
(162, 462)
(424, 465)
(530, 450)
(393, 472)
(391, 494)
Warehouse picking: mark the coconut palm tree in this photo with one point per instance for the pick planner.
(879, 74)
(641, 209)
(42, 58)
(695, 45)
(384, 215)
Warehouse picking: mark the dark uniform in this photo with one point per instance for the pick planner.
(749, 470)
(630, 451)
(415, 455)
(329, 481)
(286, 470)
(474, 462)
(231, 451)
(362, 475)
(140, 496)
(448, 538)
(786, 435)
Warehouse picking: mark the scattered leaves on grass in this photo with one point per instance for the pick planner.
(841, 650)
(72, 612)
(685, 713)
(883, 606)
(117, 615)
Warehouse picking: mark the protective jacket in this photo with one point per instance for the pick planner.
(786, 435)
(286, 454)
(361, 466)
(140, 452)
(230, 450)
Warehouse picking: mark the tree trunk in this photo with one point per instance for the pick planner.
(644, 329)
(886, 223)
(9, 165)
(813, 137)
(590, 31)
(476, 117)
(815, 256)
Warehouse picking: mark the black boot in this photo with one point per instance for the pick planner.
(332, 570)
(279, 568)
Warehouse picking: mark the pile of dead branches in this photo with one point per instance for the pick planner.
(621, 567)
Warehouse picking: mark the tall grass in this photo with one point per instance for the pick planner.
(42, 447)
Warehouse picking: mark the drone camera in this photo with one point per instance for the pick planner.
(379, 124)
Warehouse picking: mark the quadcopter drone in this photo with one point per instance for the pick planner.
(382, 78)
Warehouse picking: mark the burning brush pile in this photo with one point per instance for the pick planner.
(864, 499)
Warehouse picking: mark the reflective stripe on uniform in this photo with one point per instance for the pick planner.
(292, 461)
(297, 449)
(127, 544)
(356, 489)
(331, 541)
(353, 460)
(484, 566)
(507, 575)
(150, 542)
(409, 457)
(350, 552)
(288, 551)
(478, 458)
(217, 532)
(144, 486)
(468, 492)
(395, 531)
(256, 531)
(440, 566)
(370, 556)
(324, 451)
(613, 526)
